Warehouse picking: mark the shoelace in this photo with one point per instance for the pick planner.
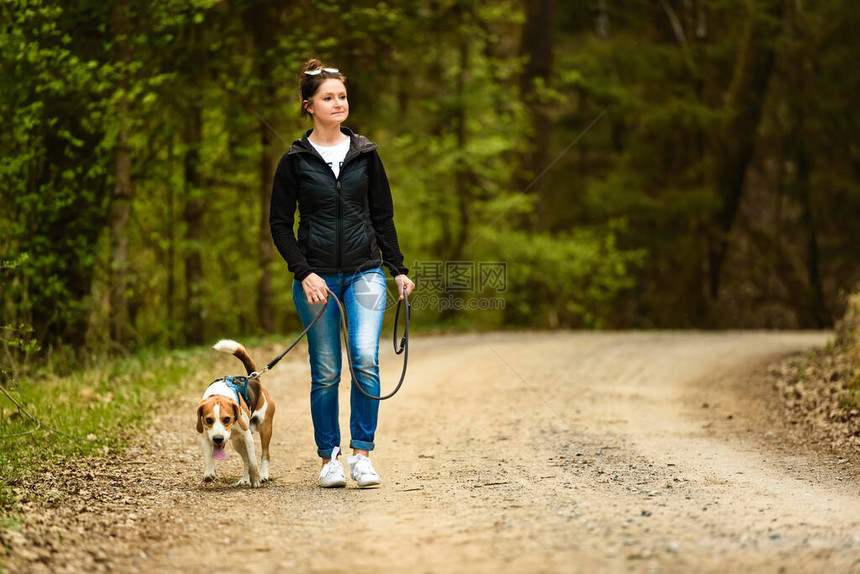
(330, 466)
(363, 465)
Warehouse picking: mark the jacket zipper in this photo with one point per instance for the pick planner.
(348, 158)
(338, 200)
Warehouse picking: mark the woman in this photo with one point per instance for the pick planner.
(346, 218)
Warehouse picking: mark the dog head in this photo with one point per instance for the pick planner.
(216, 416)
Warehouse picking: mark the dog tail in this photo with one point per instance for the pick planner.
(237, 350)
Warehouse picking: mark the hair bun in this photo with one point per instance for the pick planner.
(310, 65)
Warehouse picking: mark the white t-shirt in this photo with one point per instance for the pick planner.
(333, 155)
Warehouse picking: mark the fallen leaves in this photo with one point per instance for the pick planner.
(816, 392)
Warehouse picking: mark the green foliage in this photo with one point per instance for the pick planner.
(21, 339)
(16, 341)
(569, 280)
(54, 164)
(441, 88)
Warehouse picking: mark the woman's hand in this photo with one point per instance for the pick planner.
(315, 289)
(403, 282)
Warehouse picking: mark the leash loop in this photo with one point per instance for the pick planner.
(404, 344)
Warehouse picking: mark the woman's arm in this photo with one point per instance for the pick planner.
(281, 218)
(382, 216)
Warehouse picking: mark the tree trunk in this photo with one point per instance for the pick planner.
(799, 82)
(170, 233)
(193, 215)
(440, 210)
(736, 139)
(601, 18)
(265, 293)
(464, 175)
(536, 48)
(818, 307)
(262, 22)
(121, 200)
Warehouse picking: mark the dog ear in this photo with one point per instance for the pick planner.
(200, 418)
(238, 418)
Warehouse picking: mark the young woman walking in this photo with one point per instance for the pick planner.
(346, 218)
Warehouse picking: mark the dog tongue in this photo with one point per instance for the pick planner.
(218, 453)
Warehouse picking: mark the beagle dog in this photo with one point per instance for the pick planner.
(232, 412)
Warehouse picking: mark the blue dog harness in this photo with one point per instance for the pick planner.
(239, 385)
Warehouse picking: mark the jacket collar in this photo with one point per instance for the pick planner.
(357, 142)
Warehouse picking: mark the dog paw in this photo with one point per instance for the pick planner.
(244, 482)
(208, 477)
(255, 484)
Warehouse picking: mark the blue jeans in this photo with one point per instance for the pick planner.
(363, 297)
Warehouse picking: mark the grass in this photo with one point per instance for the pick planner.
(851, 400)
(11, 522)
(99, 406)
(848, 341)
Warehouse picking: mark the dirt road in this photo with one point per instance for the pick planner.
(546, 452)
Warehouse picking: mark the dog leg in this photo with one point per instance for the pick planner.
(264, 466)
(208, 463)
(265, 439)
(244, 443)
(252, 460)
(239, 445)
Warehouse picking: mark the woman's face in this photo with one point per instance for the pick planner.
(329, 105)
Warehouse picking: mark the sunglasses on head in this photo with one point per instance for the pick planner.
(318, 71)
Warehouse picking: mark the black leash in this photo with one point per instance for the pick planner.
(404, 343)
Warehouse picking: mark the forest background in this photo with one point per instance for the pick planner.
(629, 164)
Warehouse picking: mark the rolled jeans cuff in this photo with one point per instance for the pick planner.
(325, 453)
(361, 444)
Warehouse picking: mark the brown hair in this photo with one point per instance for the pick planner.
(308, 85)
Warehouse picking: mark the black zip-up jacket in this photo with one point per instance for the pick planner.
(344, 222)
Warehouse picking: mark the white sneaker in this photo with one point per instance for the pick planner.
(362, 471)
(331, 475)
